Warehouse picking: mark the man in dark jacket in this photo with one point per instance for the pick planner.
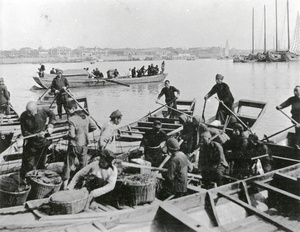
(4, 100)
(33, 121)
(59, 86)
(224, 94)
(212, 162)
(295, 103)
(152, 143)
(176, 175)
(169, 92)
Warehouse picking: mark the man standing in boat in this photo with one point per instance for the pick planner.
(176, 176)
(33, 122)
(152, 143)
(79, 127)
(170, 98)
(212, 163)
(225, 95)
(107, 136)
(59, 86)
(295, 103)
(4, 100)
(162, 67)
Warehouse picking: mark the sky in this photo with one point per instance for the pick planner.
(142, 23)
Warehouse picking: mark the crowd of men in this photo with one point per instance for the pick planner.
(219, 154)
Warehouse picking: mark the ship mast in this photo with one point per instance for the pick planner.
(265, 26)
(276, 26)
(252, 30)
(288, 24)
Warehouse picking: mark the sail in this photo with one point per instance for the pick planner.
(227, 49)
(295, 46)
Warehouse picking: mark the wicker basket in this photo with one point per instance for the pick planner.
(8, 199)
(140, 193)
(71, 207)
(41, 190)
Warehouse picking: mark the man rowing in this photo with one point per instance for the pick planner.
(225, 95)
(170, 97)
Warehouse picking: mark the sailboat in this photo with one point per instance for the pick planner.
(226, 52)
(294, 52)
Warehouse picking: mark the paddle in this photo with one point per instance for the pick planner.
(204, 110)
(268, 137)
(159, 108)
(174, 109)
(68, 92)
(44, 93)
(116, 82)
(53, 101)
(235, 116)
(293, 120)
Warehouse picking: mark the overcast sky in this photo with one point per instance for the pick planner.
(141, 23)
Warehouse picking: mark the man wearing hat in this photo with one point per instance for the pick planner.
(169, 92)
(79, 127)
(236, 151)
(4, 100)
(212, 163)
(59, 86)
(99, 177)
(107, 136)
(224, 94)
(176, 175)
(152, 143)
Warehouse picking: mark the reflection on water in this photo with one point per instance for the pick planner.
(271, 82)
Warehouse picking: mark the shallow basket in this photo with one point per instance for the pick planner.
(41, 190)
(140, 193)
(71, 207)
(9, 199)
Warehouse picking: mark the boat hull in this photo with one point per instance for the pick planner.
(79, 81)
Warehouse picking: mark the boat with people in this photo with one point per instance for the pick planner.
(268, 202)
(80, 78)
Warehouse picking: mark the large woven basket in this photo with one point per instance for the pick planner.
(140, 193)
(41, 190)
(8, 199)
(70, 207)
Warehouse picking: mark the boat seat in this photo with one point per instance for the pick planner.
(144, 129)
(163, 120)
(164, 125)
(129, 138)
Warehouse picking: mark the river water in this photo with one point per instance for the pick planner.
(270, 82)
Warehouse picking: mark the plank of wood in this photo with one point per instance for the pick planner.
(13, 210)
(262, 215)
(277, 190)
(211, 209)
(99, 226)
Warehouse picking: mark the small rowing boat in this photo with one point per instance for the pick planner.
(82, 80)
(130, 136)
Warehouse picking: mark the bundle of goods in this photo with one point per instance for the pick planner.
(13, 191)
(69, 201)
(43, 183)
(140, 188)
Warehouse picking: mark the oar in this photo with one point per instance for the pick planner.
(204, 110)
(44, 93)
(235, 116)
(116, 82)
(293, 120)
(53, 101)
(174, 109)
(160, 107)
(67, 91)
(268, 137)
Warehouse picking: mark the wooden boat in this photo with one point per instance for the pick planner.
(248, 111)
(9, 128)
(268, 202)
(290, 56)
(79, 81)
(274, 57)
(130, 136)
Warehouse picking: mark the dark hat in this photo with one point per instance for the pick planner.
(116, 113)
(238, 126)
(71, 104)
(157, 124)
(59, 71)
(1, 80)
(253, 137)
(173, 144)
(219, 77)
(107, 155)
